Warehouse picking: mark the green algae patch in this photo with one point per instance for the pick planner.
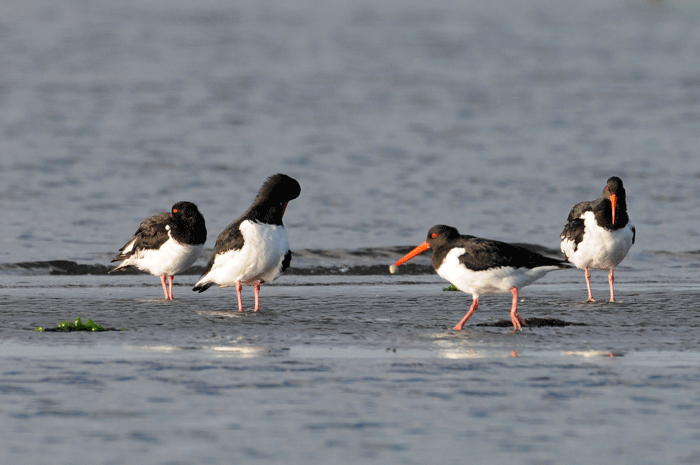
(451, 288)
(77, 325)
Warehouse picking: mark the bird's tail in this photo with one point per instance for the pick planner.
(120, 267)
(202, 286)
(565, 264)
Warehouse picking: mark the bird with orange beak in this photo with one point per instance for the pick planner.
(482, 266)
(599, 233)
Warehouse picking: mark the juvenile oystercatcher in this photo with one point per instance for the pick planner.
(166, 244)
(254, 249)
(482, 266)
(598, 234)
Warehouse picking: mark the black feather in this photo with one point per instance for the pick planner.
(202, 287)
(602, 209)
(482, 254)
(287, 260)
(268, 207)
(184, 222)
(150, 235)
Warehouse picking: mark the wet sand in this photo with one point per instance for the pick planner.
(344, 370)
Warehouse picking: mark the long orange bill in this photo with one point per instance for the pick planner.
(613, 201)
(418, 250)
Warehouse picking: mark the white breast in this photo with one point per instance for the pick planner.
(491, 281)
(600, 248)
(260, 259)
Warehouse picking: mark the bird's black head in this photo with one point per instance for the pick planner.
(280, 188)
(185, 210)
(615, 193)
(188, 226)
(437, 237)
(441, 234)
(272, 199)
(613, 187)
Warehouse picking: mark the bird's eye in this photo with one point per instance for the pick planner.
(174, 210)
(433, 235)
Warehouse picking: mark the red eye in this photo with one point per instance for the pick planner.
(174, 210)
(433, 235)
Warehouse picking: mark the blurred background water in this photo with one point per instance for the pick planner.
(495, 117)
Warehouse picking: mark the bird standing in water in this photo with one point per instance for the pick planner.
(254, 249)
(482, 266)
(599, 233)
(166, 244)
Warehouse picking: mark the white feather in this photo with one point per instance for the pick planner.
(600, 248)
(170, 259)
(260, 259)
(128, 247)
(491, 281)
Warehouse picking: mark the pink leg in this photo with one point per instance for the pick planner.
(170, 290)
(588, 285)
(256, 287)
(514, 317)
(165, 288)
(611, 280)
(239, 287)
(472, 309)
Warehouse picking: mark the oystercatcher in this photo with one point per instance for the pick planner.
(482, 266)
(254, 249)
(166, 244)
(599, 233)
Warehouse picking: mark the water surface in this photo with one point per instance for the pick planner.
(494, 117)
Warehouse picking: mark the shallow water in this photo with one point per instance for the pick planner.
(346, 370)
(494, 117)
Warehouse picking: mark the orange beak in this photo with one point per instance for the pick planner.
(613, 201)
(418, 250)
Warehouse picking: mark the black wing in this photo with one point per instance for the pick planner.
(230, 238)
(482, 254)
(581, 208)
(287, 260)
(573, 231)
(575, 227)
(152, 233)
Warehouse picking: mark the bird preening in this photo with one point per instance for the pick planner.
(165, 244)
(254, 248)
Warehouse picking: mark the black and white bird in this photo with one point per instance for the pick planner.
(482, 266)
(254, 249)
(599, 233)
(166, 244)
